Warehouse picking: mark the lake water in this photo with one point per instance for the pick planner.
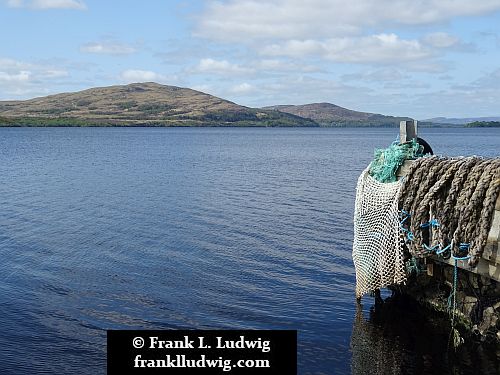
(144, 228)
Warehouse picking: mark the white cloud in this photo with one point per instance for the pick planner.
(242, 88)
(381, 48)
(493, 35)
(47, 4)
(429, 66)
(296, 48)
(222, 67)
(379, 75)
(307, 89)
(15, 3)
(249, 19)
(107, 48)
(316, 32)
(283, 66)
(11, 64)
(458, 102)
(22, 76)
(489, 80)
(246, 20)
(59, 4)
(411, 84)
(479, 97)
(24, 71)
(55, 73)
(136, 75)
(253, 67)
(203, 88)
(440, 40)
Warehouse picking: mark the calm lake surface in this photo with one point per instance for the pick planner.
(143, 228)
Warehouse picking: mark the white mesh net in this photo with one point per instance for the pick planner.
(377, 254)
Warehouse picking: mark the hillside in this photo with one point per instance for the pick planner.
(139, 104)
(461, 121)
(483, 124)
(327, 114)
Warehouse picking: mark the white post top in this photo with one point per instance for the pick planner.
(407, 131)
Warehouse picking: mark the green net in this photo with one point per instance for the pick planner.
(387, 161)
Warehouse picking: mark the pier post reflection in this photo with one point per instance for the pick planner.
(397, 337)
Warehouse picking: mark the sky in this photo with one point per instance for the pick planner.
(421, 59)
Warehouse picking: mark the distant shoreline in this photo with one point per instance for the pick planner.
(81, 124)
(149, 104)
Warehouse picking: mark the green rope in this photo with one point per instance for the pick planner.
(413, 267)
(386, 162)
(452, 300)
(452, 303)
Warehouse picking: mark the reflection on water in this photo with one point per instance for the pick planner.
(398, 337)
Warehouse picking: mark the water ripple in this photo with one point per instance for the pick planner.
(177, 228)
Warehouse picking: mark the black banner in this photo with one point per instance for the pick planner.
(202, 352)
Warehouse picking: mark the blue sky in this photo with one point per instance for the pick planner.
(413, 58)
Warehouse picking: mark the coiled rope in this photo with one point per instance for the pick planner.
(449, 204)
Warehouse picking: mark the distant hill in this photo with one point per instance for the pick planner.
(483, 124)
(327, 114)
(152, 104)
(460, 121)
(139, 104)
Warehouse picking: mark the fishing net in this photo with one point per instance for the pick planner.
(387, 160)
(443, 207)
(377, 253)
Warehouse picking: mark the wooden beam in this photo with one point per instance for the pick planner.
(407, 131)
(484, 267)
(403, 170)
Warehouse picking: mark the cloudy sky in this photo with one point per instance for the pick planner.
(418, 58)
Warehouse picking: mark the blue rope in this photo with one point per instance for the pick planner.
(431, 249)
(405, 213)
(452, 299)
(464, 246)
(409, 235)
(460, 258)
(434, 223)
(441, 251)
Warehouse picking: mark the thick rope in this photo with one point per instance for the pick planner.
(450, 202)
(452, 196)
